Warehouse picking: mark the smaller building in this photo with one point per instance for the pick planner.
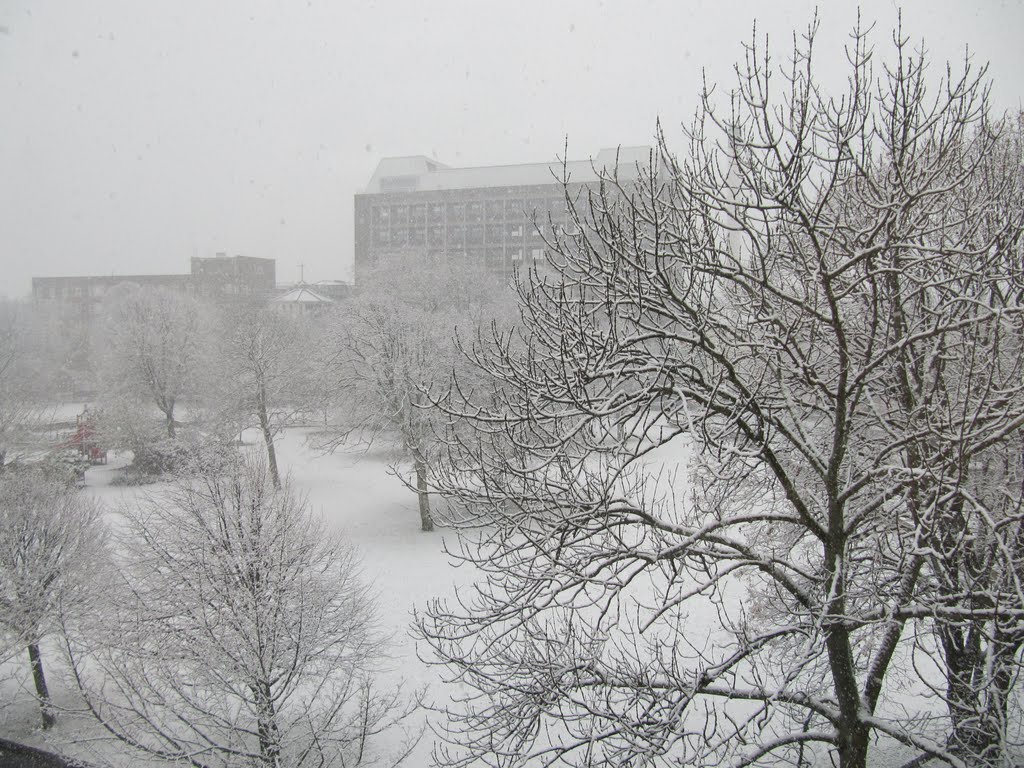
(339, 290)
(302, 300)
(91, 289)
(217, 277)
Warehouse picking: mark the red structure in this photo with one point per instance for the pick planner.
(85, 441)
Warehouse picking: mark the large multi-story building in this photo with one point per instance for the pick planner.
(417, 210)
(216, 277)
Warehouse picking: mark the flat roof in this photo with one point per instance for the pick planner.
(120, 278)
(418, 173)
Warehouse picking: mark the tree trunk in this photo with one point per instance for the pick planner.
(999, 693)
(266, 726)
(854, 735)
(426, 521)
(170, 424)
(42, 692)
(268, 438)
(978, 689)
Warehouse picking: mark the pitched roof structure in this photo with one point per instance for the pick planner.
(301, 294)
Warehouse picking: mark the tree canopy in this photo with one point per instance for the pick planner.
(813, 312)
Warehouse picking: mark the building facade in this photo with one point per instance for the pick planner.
(218, 277)
(416, 210)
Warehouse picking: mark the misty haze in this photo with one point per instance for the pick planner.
(566, 384)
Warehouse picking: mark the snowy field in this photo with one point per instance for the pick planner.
(360, 499)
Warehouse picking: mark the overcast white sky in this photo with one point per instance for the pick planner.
(134, 135)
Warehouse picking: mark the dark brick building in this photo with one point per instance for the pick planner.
(219, 277)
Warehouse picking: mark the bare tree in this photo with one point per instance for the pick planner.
(393, 344)
(242, 633)
(972, 533)
(157, 346)
(51, 537)
(21, 391)
(269, 371)
(820, 307)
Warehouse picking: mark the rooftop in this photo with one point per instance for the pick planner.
(301, 294)
(418, 173)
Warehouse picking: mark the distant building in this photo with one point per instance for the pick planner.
(224, 275)
(418, 210)
(218, 277)
(302, 300)
(338, 290)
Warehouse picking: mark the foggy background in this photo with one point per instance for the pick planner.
(135, 135)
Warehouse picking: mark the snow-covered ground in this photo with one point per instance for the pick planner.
(358, 497)
(361, 499)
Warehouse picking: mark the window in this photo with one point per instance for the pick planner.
(399, 183)
(514, 209)
(536, 254)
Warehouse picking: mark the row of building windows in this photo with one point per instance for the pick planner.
(495, 258)
(472, 212)
(476, 234)
(96, 290)
(509, 234)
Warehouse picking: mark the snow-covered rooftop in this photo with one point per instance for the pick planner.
(418, 173)
(301, 294)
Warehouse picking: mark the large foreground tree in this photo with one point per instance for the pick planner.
(815, 312)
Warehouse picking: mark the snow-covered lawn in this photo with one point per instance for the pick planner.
(358, 497)
(362, 500)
